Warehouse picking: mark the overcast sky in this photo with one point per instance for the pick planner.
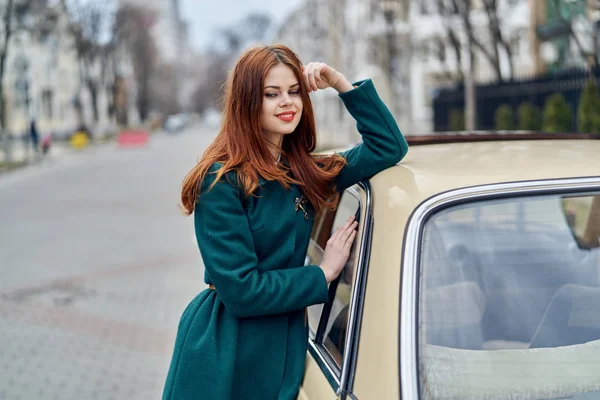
(207, 16)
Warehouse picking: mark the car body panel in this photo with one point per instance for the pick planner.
(315, 386)
(430, 171)
(380, 321)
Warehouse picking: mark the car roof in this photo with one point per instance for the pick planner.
(434, 168)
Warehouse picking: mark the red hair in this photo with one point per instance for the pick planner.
(241, 130)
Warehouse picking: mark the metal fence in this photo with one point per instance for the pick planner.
(535, 90)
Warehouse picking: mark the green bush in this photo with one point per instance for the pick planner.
(528, 116)
(588, 113)
(503, 118)
(457, 119)
(557, 115)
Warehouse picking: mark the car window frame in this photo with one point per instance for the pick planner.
(408, 337)
(342, 380)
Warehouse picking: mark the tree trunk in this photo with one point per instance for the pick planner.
(457, 52)
(2, 99)
(470, 89)
(143, 93)
(495, 33)
(93, 89)
(78, 105)
(143, 104)
(4, 134)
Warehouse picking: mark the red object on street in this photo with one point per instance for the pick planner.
(133, 138)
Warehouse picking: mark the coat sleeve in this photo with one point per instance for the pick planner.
(227, 248)
(383, 144)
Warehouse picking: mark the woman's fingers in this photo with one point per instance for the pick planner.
(341, 235)
(350, 240)
(309, 74)
(305, 72)
(338, 233)
(346, 234)
(317, 74)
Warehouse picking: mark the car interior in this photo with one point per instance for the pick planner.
(507, 285)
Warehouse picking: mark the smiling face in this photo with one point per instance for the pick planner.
(282, 103)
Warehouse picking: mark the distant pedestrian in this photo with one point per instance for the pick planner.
(254, 195)
(46, 143)
(34, 135)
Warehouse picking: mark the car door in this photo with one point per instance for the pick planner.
(334, 327)
(500, 293)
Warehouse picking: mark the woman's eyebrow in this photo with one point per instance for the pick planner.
(279, 87)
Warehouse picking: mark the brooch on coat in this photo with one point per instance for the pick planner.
(299, 203)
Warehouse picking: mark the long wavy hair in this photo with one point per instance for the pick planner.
(241, 146)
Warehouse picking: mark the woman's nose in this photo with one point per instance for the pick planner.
(286, 99)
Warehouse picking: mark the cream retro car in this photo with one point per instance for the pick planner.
(475, 275)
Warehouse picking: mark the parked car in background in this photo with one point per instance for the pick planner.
(177, 122)
(475, 275)
(211, 118)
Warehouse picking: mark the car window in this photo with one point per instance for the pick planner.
(508, 299)
(328, 322)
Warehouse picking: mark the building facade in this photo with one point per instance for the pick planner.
(411, 49)
(44, 82)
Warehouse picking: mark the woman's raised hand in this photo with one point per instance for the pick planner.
(337, 250)
(321, 76)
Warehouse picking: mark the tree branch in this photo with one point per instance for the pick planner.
(464, 10)
(452, 39)
(491, 9)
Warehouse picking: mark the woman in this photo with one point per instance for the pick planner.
(254, 195)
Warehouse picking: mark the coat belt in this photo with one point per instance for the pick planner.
(212, 287)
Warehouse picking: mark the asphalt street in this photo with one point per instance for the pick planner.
(97, 263)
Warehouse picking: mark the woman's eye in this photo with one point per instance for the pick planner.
(295, 92)
(270, 94)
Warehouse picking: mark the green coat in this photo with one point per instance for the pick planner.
(248, 339)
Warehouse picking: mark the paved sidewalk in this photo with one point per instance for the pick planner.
(97, 265)
(105, 336)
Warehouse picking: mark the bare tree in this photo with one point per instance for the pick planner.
(251, 28)
(208, 91)
(464, 8)
(132, 26)
(12, 17)
(7, 19)
(233, 39)
(89, 23)
(447, 13)
(163, 89)
(497, 37)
